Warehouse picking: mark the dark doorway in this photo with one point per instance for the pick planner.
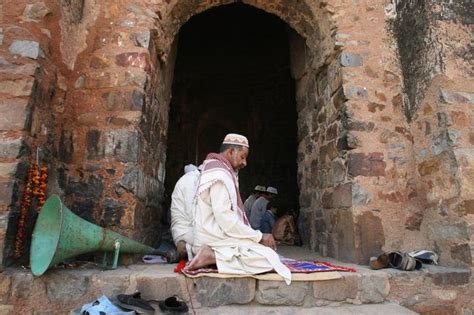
(232, 74)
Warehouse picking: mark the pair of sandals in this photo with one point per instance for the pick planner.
(397, 260)
(134, 302)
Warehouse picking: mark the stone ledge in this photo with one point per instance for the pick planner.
(62, 290)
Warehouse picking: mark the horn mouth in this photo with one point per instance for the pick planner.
(46, 235)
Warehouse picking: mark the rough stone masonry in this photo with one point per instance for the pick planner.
(383, 103)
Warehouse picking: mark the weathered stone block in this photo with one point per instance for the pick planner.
(7, 309)
(26, 48)
(3, 221)
(462, 253)
(279, 293)
(113, 212)
(368, 165)
(374, 287)
(355, 92)
(445, 295)
(14, 113)
(339, 98)
(26, 286)
(125, 119)
(370, 230)
(132, 59)
(95, 149)
(66, 146)
(130, 77)
(35, 12)
(20, 87)
(60, 291)
(450, 277)
(337, 173)
(342, 196)
(99, 62)
(130, 179)
(340, 241)
(141, 39)
(337, 290)
(360, 196)
(213, 292)
(28, 69)
(111, 283)
(124, 100)
(5, 287)
(348, 59)
(122, 145)
(453, 97)
(7, 169)
(449, 231)
(6, 191)
(10, 147)
(355, 125)
(89, 189)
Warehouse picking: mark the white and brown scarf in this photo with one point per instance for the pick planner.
(217, 168)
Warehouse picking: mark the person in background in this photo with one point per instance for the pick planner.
(258, 191)
(268, 218)
(182, 210)
(260, 206)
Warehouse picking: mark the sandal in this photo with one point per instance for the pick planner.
(380, 262)
(403, 261)
(425, 256)
(135, 303)
(173, 305)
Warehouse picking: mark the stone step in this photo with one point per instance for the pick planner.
(369, 309)
(61, 290)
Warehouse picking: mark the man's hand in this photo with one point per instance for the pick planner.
(268, 240)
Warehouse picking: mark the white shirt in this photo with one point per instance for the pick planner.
(182, 205)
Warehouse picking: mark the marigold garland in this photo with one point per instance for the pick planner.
(35, 187)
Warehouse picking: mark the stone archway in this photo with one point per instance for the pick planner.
(325, 197)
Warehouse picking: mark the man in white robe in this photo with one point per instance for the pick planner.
(222, 234)
(182, 210)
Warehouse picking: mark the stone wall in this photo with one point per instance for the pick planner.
(439, 90)
(384, 134)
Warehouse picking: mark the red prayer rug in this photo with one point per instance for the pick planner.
(295, 266)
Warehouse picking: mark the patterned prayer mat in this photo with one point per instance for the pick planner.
(302, 270)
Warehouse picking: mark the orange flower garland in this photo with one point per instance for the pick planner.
(36, 184)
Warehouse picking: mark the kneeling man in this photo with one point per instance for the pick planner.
(222, 233)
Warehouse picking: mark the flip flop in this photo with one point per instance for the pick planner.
(425, 256)
(402, 261)
(135, 303)
(173, 305)
(154, 259)
(382, 261)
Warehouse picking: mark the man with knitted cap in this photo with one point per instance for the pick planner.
(222, 233)
(257, 192)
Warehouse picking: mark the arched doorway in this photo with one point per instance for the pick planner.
(232, 74)
(304, 70)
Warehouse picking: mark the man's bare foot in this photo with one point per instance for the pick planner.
(205, 256)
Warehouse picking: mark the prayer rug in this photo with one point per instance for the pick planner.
(301, 271)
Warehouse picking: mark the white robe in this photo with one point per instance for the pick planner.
(182, 207)
(235, 244)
